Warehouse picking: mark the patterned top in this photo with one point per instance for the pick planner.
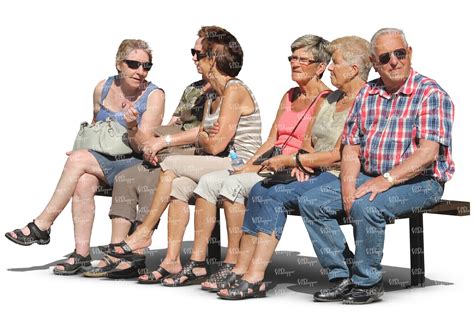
(388, 127)
(247, 138)
(287, 122)
(140, 104)
(187, 118)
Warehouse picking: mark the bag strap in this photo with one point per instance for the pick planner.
(302, 117)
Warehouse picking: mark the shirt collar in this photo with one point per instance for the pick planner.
(378, 87)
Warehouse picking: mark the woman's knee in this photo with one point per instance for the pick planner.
(78, 158)
(86, 186)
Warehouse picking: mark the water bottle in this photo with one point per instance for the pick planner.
(235, 161)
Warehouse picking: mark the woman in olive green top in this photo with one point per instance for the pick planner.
(267, 207)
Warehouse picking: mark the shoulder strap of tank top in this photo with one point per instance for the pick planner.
(302, 117)
(106, 88)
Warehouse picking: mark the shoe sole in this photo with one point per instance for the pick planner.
(91, 274)
(249, 296)
(196, 281)
(72, 272)
(371, 300)
(327, 300)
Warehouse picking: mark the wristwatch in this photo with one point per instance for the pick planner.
(168, 140)
(389, 178)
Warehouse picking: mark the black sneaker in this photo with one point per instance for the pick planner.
(364, 295)
(335, 293)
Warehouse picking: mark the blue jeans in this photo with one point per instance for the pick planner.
(320, 208)
(267, 208)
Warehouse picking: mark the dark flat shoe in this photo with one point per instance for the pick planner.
(36, 236)
(188, 273)
(137, 267)
(220, 276)
(244, 290)
(151, 278)
(99, 272)
(80, 264)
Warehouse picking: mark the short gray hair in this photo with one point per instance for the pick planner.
(385, 31)
(354, 50)
(317, 46)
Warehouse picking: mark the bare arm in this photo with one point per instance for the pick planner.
(152, 146)
(269, 143)
(151, 119)
(96, 99)
(236, 101)
(350, 169)
(411, 167)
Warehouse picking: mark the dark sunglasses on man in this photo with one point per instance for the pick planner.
(199, 54)
(400, 54)
(133, 64)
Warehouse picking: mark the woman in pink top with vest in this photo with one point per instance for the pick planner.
(308, 62)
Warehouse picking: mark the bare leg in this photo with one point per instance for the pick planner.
(178, 219)
(258, 262)
(266, 246)
(204, 222)
(120, 228)
(80, 162)
(234, 216)
(248, 245)
(141, 238)
(83, 212)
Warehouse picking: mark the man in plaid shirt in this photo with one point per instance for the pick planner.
(395, 160)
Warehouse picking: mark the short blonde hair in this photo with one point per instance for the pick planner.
(354, 50)
(128, 45)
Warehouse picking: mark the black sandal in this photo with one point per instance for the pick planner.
(218, 277)
(244, 290)
(127, 251)
(137, 267)
(80, 263)
(108, 247)
(229, 281)
(99, 272)
(187, 272)
(151, 278)
(36, 236)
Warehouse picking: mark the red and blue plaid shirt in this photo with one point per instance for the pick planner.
(388, 127)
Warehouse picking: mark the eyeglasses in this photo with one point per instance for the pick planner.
(133, 64)
(199, 54)
(400, 54)
(301, 60)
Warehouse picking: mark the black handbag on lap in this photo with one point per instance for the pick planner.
(280, 177)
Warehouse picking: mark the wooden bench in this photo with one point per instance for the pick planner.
(416, 232)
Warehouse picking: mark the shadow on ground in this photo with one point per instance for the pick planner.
(288, 271)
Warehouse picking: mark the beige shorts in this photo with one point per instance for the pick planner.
(133, 192)
(235, 188)
(189, 169)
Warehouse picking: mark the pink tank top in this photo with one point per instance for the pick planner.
(287, 122)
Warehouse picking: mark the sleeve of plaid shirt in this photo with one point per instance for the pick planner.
(435, 119)
(351, 133)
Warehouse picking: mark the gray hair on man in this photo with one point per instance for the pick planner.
(385, 31)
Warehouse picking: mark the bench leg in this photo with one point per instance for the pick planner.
(417, 251)
(214, 246)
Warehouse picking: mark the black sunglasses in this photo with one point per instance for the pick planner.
(133, 64)
(400, 54)
(199, 54)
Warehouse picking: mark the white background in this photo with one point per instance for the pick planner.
(52, 55)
